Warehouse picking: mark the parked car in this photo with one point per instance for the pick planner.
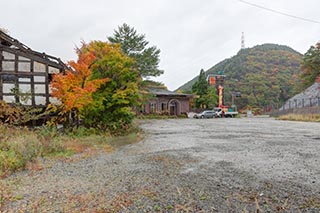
(219, 113)
(205, 114)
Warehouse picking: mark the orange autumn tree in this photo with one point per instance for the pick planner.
(75, 88)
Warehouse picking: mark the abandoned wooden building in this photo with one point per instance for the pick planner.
(167, 102)
(25, 74)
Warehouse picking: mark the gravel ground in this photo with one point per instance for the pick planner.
(185, 165)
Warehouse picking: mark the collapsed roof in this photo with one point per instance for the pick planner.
(7, 41)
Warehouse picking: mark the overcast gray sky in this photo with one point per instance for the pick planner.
(190, 34)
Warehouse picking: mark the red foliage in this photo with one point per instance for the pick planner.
(74, 89)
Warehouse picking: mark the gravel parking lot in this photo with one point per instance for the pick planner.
(187, 165)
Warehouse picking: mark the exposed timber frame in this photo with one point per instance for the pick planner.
(25, 74)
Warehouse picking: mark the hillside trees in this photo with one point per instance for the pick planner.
(265, 75)
(146, 59)
(310, 66)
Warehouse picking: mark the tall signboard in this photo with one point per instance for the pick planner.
(218, 82)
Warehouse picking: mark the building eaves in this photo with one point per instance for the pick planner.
(163, 92)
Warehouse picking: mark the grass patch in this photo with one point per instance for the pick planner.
(20, 147)
(300, 117)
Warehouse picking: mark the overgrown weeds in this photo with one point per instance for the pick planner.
(300, 117)
(21, 147)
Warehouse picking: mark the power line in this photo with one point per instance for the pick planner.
(278, 12)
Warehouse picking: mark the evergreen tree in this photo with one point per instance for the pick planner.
(311, 66)
(135, 46)
(200, 88)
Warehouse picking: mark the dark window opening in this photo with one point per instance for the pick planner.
(9, 78)
(50, 76)
(163, 106)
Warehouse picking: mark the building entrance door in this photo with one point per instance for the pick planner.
(174, 107)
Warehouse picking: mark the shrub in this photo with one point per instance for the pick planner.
(9, 114)
(18, 146)
(19, 115)
(16, 151)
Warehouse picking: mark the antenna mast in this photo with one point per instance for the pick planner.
(242, 41)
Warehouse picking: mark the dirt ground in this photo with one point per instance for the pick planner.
(187, 165)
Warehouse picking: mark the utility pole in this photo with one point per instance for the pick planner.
(233, 95)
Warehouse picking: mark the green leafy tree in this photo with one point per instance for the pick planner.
(200, 88)
(153, 84)
(211, 98)
(311, 66)
(146, 59)
(113, 101)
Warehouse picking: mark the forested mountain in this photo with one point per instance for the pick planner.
(265, 75)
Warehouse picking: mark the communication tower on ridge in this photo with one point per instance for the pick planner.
(242, 41)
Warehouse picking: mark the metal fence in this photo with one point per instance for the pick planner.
(296, 106)
(301, 103)
(302, 111)
(293, 104)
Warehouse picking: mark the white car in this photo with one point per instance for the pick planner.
(205, 114)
